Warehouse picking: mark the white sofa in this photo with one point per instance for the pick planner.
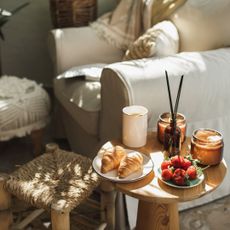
(91, 111)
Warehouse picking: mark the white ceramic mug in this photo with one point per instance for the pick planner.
(134, 126)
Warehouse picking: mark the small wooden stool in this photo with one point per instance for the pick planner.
(56, 181)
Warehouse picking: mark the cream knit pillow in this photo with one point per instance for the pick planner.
(161, 40)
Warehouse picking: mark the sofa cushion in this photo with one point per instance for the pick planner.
(81, 99)
(203, 24)
(160, 40)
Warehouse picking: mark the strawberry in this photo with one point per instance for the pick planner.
(179, 176)
(177, 161)
(165, 164)
(166, 174)
(191, 172)
(186, 164)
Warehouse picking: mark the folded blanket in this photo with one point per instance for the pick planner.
(132, 18)
(90, 72)
(122, 26)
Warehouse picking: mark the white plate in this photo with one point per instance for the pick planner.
(112, 175)
(192, 183)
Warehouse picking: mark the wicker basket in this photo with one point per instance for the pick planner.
(67, 13)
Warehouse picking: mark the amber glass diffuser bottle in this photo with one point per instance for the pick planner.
(172, 134)
(164, 121)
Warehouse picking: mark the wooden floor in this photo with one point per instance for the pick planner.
(85, 217)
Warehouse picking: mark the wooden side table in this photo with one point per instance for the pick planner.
(158, 202)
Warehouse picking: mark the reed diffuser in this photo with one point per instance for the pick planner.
(172, 135)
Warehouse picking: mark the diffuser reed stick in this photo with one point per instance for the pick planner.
(170, 98)
(178, 96)
(172, 135)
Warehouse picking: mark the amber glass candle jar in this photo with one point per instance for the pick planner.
(207, 146)
(164, 121)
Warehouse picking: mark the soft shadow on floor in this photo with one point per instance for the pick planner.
(211, 216)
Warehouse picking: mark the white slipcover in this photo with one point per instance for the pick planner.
(204, 97)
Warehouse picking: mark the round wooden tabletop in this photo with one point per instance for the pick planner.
(152, 189)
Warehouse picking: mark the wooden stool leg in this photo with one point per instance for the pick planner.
(51, 147)
(108, 196)
(36, 137)
(5, 205)
(59, 220)
(153, 216)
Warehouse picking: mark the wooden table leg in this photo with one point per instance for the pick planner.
(108, 195)
(5, 205)
(153, 216)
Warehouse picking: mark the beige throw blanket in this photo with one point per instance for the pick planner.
(131, 18)
(125, 23)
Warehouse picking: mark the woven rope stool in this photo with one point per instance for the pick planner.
(24, 109)
(56, 181)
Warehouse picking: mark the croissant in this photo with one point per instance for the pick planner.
(131, 163)
(111, 158)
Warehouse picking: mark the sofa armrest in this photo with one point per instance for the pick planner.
(204, 96)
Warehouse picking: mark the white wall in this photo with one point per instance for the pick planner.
(24, 51)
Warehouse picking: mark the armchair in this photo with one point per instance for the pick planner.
(91, 111)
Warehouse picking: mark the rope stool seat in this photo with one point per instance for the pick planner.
(58, 180)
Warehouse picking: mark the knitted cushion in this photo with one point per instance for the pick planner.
(160, 40)
(24, 107)
(60, 179)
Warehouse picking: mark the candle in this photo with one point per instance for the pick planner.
(207, 146)
(134, 126)
(164, 121)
